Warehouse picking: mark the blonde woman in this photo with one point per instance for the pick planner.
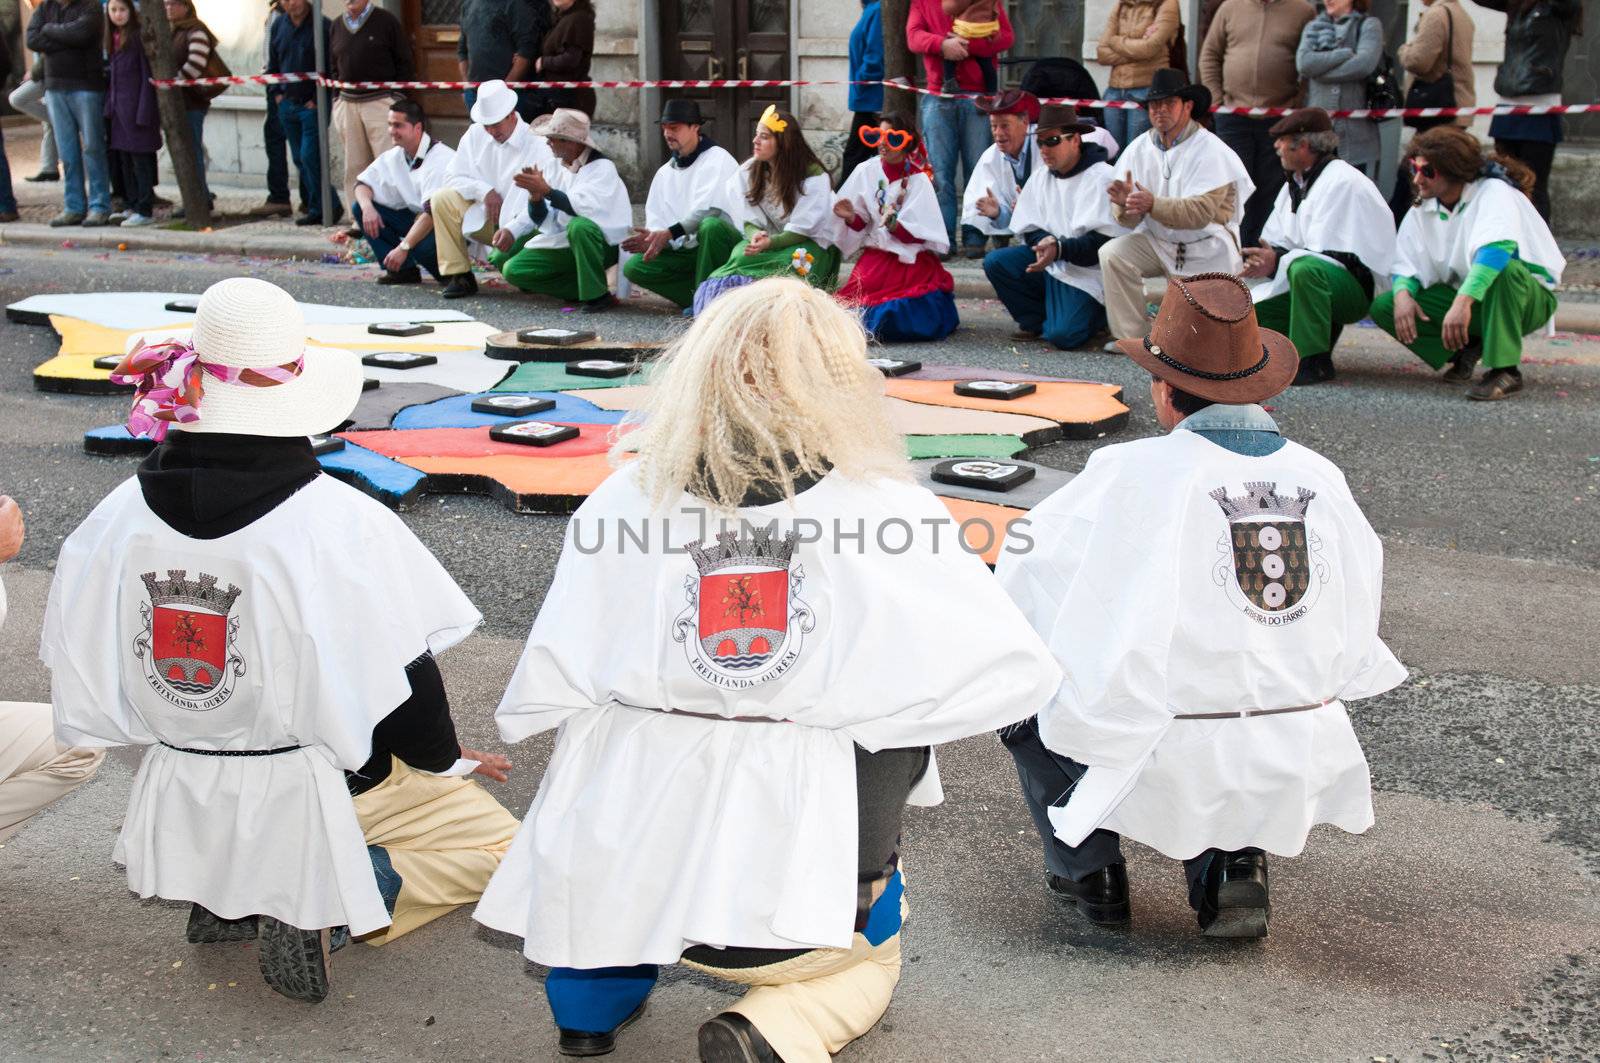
(736, 743)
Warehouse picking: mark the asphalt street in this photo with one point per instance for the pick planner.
(1464, 926)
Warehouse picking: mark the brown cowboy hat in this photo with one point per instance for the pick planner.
(1205, 340)
(1011, 101)
(1062, 116)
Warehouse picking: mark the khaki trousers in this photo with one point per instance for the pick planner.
(35, 769)
(364, 126)
(1124, 264)
(448, 207)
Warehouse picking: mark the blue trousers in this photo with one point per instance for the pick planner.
(396, 223)
(596, 1000)
(8, 200)
(77, 117)
(1126, 124)
(923, 319)
(277, 149)
(955, 134)
(300, 130)
(1064, 315)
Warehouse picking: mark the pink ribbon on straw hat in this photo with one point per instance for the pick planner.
(169, 381)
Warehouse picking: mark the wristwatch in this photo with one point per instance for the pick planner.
(403, 245)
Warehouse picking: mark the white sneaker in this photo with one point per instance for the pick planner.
(133, 221)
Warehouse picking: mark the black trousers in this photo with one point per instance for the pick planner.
(855, 152)
(1251, 140)
(136, 172)
(1538, 156)
(1047, 778)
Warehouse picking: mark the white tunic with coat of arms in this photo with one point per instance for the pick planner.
(293, 631)
(656, 830)
(1173, 576)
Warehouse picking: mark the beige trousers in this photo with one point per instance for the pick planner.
(1124, 264)
(364, 127)
(448, 207)
(35, 769)
(810, 1007)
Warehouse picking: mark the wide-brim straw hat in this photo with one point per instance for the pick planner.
(565, 123)
(1205, 340)
(495, 100)
(245, 323)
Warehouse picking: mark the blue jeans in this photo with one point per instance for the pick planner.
(277, 149)
(1123, 124)
(955, 133)
(396, 223)
(300, 130)
(78, 120)
(1066, 316)
(197, 130)
(8, 201)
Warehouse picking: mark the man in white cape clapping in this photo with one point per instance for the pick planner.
(740, 724)
(1212, 596)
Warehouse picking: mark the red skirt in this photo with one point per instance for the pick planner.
(879, 277)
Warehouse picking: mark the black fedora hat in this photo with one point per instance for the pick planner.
(681, 110)
(1167, 83)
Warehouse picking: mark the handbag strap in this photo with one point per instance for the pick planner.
(1449, 44)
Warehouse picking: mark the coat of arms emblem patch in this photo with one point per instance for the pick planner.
(1270, 562)
(188, 646)
(745, 620)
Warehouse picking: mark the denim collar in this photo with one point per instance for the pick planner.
(1248, 417)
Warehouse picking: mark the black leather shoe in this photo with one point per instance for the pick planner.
(1315, 369)
(1102, 898)
(600, 305)
(459, 286)
(1236, 902)
(973, 251)
(409, 275)
(732, 1038)
(584, 1043)
(1462, 364)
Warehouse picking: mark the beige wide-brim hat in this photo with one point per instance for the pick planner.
(495, 100)
(565, 123)
(246, 323)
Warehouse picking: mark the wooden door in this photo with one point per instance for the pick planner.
(435, 30)
(708, 40)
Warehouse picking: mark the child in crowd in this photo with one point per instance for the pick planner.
(975, 21)
(133, 121)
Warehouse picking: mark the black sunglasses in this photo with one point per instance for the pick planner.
(1052, 141)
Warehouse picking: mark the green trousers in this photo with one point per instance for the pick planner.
(1515, 305)
(824, 266)
(1321, 296)
(676, 272)
(577, 271)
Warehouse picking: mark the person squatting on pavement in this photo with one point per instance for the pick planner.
(563, 220)
(497, 147)
(1182, 193)
(1327, 242)
(684, 237)
(888, 209)
(260, 626)
(1050, 283)
(390, 201)
(1475, 266)
(735, 746)
(1005, 166)
(35, 769)
(1212, 596)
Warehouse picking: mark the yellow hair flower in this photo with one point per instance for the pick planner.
(801, 261)
(770, 119)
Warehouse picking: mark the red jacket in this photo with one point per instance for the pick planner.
(926, 31)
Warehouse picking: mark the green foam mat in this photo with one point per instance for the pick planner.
(964, 446)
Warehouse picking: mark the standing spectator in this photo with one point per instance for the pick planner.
(133, 116)
(277, 203)
(193, 44)
(500, 41)
(953, 130)
(367, 44)
(294, 51)
(1537, 35)
(1248, 61)
(1440, 46)
(69, 33)
(1339, 50)
(28, 98)
(1135, 44)
(865, 100)
(564, 55)
(8, 200)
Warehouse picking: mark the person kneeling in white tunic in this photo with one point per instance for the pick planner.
(736, 741)
(1213, 597)
(261, 626)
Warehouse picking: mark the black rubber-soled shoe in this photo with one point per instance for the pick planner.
(1496, 384)
(1237, 903)
(584, 1043)
(1101, 898)
(1315, 369)
(732, 1038)
(1462, 363)
(459, 285)
(408, 275)
(294, 962)
(207, 929)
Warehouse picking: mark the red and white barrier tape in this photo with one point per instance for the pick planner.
(459, 86)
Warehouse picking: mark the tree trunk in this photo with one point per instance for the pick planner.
(175, 119)
(899, 62)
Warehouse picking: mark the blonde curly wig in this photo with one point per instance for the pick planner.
(769, 382)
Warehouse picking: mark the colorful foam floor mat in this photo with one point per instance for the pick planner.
(414, 430)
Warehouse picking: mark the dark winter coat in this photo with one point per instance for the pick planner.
(567, 49)
(133, 117)
(69, 34)
(1537, 37)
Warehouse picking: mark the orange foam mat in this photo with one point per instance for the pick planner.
(982, 524)
(1091, 408)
